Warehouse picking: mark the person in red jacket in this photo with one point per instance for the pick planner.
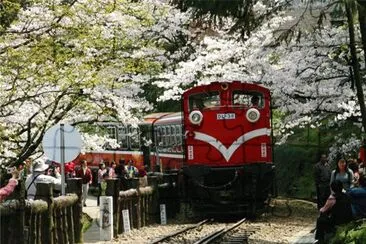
(85, 173)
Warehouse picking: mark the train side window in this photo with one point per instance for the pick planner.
(204, 100)
(163, 135)
(248, 99)
(168, 139)
(111, 132)
(123, 137)
(178, 135)
(134, 138)
(168, 142)
(172, 136)
(159, 136)
(172, 139)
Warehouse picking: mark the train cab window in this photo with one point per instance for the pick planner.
(204, 100)
(123, 137)
(134, 135)
(248, 99)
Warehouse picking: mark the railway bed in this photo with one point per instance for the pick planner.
(275, 227)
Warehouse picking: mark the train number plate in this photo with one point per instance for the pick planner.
(225, 116)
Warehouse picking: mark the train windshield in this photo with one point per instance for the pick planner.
(204, 100)
(248, 98)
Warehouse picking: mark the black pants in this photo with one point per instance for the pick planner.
(322, 194)
(324, 225)
(99, 193)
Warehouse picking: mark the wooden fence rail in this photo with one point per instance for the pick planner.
(140, 201)
(44, 220)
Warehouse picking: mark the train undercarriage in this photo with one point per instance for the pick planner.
(243, 190)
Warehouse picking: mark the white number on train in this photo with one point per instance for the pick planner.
(225, 116)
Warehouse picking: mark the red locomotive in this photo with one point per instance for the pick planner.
(220, 146)
(228, 149)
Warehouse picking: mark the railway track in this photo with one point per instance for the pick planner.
(197, 234)
(227, 235)
(168, 237)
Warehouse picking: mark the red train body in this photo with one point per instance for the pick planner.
(219, 146)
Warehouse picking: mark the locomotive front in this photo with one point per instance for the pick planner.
(228, 149)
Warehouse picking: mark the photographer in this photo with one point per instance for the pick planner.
(38, 176)
(9, 188)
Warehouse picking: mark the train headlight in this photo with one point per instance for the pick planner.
(195, 117)
(253, 115)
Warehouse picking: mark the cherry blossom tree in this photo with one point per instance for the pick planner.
(79, 62)
(309, 76)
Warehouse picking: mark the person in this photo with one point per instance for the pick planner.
(121, 174)
(86, 175)
(255, 100)
(38, 175)
(343, 174)
(101, 171)
(358, 197)
(131, 169)
(69, 169)
(143, 176)
(112, 170)
(322, 174)
(103, 185)
(353, 165)
(336, 211)
(9, 188)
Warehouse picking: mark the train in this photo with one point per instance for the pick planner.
(219, 147)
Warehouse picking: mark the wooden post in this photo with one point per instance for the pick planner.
(45, 192)
(130, 210)
(39, 228)
(154, 206)
(143, 209)
(70, 225)
(120, 218)
(74, 185)
(113, 190)
(58, 224)
(33, 229)
(16, 222)
(64, 224)
(138, 205)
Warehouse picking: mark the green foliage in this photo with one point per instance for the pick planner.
(86, 222)
(8, 12)
(152, 93)
(354, 232)
(294, 170)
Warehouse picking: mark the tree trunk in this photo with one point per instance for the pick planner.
(355, 65)
(361, 7)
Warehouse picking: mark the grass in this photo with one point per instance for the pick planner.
(86, 222)
(354, 232)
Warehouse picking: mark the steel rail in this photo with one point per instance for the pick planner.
(213, 236)
(164, 238)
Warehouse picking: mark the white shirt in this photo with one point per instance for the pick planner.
(42, 178)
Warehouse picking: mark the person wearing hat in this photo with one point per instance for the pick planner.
(38, 176)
